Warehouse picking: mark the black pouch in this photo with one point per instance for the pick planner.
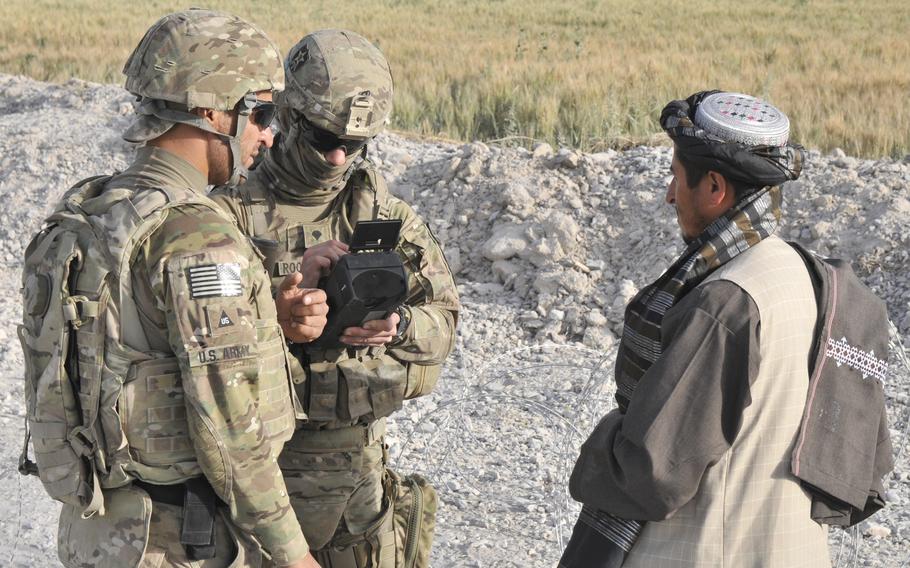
(197, 535)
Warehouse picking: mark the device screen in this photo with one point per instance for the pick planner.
(375, 235)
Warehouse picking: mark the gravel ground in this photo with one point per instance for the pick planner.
(546, 247)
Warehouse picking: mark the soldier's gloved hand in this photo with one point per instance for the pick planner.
(374, 332)
(301, 311)
(318, 261)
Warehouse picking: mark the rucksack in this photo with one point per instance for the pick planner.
(843, 450)
(75, 343)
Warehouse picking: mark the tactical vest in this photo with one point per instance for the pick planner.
(102, 409)
(338, 385)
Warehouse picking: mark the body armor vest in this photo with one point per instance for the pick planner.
(337, 387)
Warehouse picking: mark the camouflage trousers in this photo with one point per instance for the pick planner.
(334, 480)
(165, 551)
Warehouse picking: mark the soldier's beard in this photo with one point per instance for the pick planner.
(302, 172)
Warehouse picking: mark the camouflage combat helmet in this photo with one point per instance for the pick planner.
(199, 59)
(340, 82)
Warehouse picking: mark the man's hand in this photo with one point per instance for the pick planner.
(374, 332)
(307, 562)
(301, 311)
(318, 261)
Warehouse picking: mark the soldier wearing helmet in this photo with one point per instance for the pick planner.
(194, 402)
(300, 206)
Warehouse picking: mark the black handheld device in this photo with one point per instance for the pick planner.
(367, 284)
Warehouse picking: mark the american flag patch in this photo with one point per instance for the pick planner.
(214, 280)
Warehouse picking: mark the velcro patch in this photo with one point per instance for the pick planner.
(214, 280)
(222, 353)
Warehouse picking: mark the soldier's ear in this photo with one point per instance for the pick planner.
(219, 120)
(206, 113)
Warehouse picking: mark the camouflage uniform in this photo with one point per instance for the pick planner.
(198, 383)
(334, 465)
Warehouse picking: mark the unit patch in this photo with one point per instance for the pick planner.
(224, 320)
(214, 281)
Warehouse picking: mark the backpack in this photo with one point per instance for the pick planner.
(843, 448)
(75, 340)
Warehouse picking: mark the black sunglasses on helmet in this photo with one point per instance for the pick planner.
(261, 113)
(325, 141)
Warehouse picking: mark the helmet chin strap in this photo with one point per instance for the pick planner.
(238, 171)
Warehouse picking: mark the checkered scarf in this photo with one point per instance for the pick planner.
(601, 540)
(744, 225)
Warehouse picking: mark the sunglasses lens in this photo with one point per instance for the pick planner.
(325, 141)
(263, 114)
(352, 146)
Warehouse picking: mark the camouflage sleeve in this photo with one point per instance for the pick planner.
(432, 296)
(228, 198)
(222, 328)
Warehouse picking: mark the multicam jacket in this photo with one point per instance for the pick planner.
(208, 389)
(346, 386)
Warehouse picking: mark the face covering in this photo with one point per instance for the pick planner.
(301, 173)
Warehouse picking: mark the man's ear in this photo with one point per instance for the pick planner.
(720, 189)
(219, 120)
(205, 113)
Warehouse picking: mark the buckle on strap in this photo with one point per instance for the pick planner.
(375, 431)
(79, 309)
(82, 441)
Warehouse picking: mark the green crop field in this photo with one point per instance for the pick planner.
(590, 74)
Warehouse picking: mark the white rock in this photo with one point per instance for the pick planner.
(562, 227)
(507, 241)
(599, 338)
(876, 530)
(542, 150)
(565, 158)
(556, 315)
(595, 318)
(548, 282)
(506, 270)
(453, 257)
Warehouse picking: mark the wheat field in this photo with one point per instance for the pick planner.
(584, 73)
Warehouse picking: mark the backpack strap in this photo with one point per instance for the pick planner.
(370, 195)
(255, 207)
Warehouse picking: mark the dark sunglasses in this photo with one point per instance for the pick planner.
(261, 113)
(325, 141)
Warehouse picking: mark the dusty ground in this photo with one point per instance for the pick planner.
(547, 246)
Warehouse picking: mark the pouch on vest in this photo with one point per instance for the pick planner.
(126, 522)
(421, 379)
(371, 386)
(414, 502)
